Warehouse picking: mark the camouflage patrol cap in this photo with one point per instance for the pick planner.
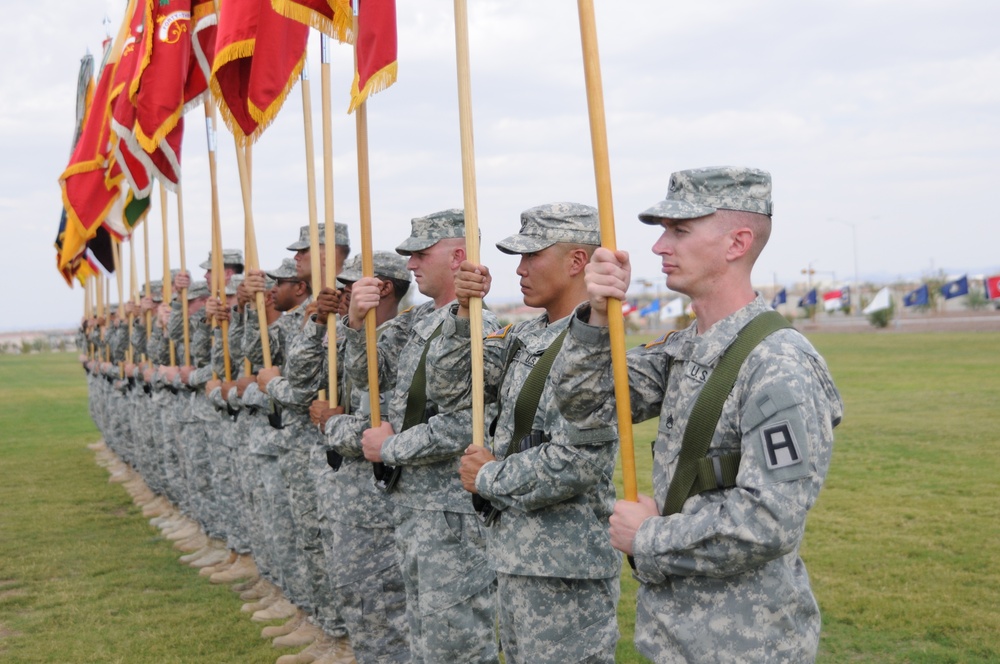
(699, 192)
(426, 231)
(197, 289)
(340, 234)
(229, 257)
(155, 290)
(388, 265)
(545, 225)
(285, 271)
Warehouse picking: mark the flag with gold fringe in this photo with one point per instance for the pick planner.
(332, 17)
(375, 62)
(259, 54)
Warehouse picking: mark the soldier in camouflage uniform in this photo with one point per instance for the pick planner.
(553, 489)
(722, 580)
(356, 519)
(449, 583)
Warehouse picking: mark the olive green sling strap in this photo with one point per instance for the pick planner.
(695, 472)
(531, 393)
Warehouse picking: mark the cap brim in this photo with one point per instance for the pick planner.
(412, 244)
(523, 244)
(673, 209)
(207, 265)
(348, 277)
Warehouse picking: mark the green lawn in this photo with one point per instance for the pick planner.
(901, 546)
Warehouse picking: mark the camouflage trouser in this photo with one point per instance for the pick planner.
(364, 566)
(312, 577)
(449, 587)
(551, 620)
(198, 472)
(253, 506)
(228, 486)
(277, 529)
(171, 455)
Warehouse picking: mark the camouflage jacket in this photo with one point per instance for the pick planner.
(429, 452)
(732, 553)
(555, 496)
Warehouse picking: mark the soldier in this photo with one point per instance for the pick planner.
(449, 584)
(550, 489)
(716, 550)
(356, 519)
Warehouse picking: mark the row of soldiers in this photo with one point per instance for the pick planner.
(393, 538)
(366, 540)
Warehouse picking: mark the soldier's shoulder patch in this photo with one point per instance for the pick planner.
(661, 340)
(501, 334)
(781, 450)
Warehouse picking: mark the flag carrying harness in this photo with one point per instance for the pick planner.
(696, 472)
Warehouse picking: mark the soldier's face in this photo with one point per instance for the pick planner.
(543, 275)
(302, 266)
(432, 269)
(692, 253)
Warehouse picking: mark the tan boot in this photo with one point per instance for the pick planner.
(289, 626)
(192, 543)
(183, 532)
(226, 563)
(339, 652)
(195, 555)
(256, 590)
(303, 635)
(264, 602)
(210, 559)
(157, 508)
(311, 654)
(242, 568)
(280, 610)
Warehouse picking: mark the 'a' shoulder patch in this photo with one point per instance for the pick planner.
(501, 334)
(661, 340)
(780, 447)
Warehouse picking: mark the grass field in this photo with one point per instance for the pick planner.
(901, 546)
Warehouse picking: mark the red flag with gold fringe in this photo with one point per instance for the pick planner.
(332, 17)
(258, 56)
(376, 50)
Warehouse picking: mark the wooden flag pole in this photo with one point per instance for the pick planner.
(133, 293)
(149, 288)
(471, 213)
(329, 229)
(367, 260)
(185, 318)
(218, 265)
(242, 162)
(116, 255)
(167, 283)
(315, 280)
(602, 175)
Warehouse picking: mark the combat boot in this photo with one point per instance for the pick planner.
(289, 626)
(243, 586)
(225, 564)
(280, 610)
(192, 543)
(339, 652)
(195, 555)
(242, 568)
(208, 560)
(316, 650)
(156, 508)
(303, 635)
(183, 531)
(267, 600)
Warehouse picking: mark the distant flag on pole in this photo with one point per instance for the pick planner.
(628, 307)
(376, 66)
(780, 298)
(808, 300)
(259, 54)
(650, 308)
(993, 287)
(956, 288)
(845, 297)
(881, 301)
(673, 309)
(832, 300)
(918, 297)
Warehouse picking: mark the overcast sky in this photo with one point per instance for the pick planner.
(879, 119)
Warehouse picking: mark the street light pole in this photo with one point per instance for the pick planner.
(855, 287)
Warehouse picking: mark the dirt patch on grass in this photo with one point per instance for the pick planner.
(13, 592)
(6, 631)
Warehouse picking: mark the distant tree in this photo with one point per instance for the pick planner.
(976, 300)
(883, 317)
